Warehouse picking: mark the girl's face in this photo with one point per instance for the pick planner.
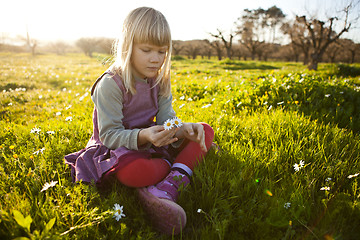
(147, 59)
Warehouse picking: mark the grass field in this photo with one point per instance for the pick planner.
(287, 167)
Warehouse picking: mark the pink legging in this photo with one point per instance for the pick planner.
(144, 172)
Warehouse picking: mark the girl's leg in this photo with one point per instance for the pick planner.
(143, 172)
(190, 154)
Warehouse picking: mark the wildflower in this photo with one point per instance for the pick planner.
(119, 212)
(199, 210)
(189, 99)
(58, 113)
(39, 151)
(177, 122)
(325, 189)
(10, 104)
(50, 132)
(302, 163)
(15, 156)
(270, 108)
(182, 97)
(182, 105)
(327, 95)
(40, 96)
(280, 103)
(355, 175)
(68, 119)
(35, 130)
(68, 107)
(206, 106)
(328, 179)
(287, 205)
(48, 185)
(297, 167)
(168, 124)
(12, 147)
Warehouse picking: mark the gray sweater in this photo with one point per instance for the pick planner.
(108, 100)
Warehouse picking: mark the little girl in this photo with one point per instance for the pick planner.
(132, 102)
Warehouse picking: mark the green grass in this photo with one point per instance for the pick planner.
(267, 116)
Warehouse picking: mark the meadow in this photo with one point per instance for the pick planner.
(286, 166)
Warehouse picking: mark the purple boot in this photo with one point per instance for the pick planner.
(159, 202)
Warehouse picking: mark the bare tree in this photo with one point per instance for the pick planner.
(227, 43)
(300, 38)
(274, 17)
(218, 47)
(322, 34)
(87, 45)
(177, 47)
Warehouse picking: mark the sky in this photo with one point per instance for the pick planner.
(69, 20)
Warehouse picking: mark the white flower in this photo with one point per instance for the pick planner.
(50, 132)
(177, 122)
(48, 185)
(302, 163)
(10, 104)
(199, 210)
(206, 106)
(327, 95)
(182, 105)
(39, 151)
(328, 179)
(182, 97)
(35, 130)
(287, 205)
(58, 114)
(119, 212)
(351, 176)
(40, 96)
(280, 103)
(325, 189)
(296, 167)
(168, 124)
(68, 119)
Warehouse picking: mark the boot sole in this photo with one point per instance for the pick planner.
(166, 216)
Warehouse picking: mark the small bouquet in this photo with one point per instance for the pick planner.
(174, 122)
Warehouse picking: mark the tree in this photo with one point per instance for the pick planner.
(217, 46)
(177, 47)
(274, 17)
(250, 26)
(227, 43)
(321, 34)
(299, 38)
(87, 45)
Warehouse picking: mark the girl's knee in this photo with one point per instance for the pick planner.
(209, 131)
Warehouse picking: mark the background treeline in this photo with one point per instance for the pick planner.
(262, 34)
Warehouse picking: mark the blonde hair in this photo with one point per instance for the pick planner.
(143, 25)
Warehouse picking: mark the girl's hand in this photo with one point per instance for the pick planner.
(194, 132)
(157, 136)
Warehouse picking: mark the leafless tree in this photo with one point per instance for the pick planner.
(218, 47)
(87, 45)
(322, 33)
(227, 43)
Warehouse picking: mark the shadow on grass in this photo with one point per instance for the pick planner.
(237, 65)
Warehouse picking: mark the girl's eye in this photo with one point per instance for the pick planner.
(162, 52)
(145, 50)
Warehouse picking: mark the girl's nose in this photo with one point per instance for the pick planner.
(155, 58)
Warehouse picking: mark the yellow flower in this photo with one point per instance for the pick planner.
(12, 147)
(15, 156)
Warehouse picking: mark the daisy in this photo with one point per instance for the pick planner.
(68, 119)
(296, 167)
(325, 189)
(35, 130)
(168, 124)
(287, 205)
(119, 212)
(199, 210)
(351, 176)
(177, 122)
(48, 185)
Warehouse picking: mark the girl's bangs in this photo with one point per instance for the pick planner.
(153, 31)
